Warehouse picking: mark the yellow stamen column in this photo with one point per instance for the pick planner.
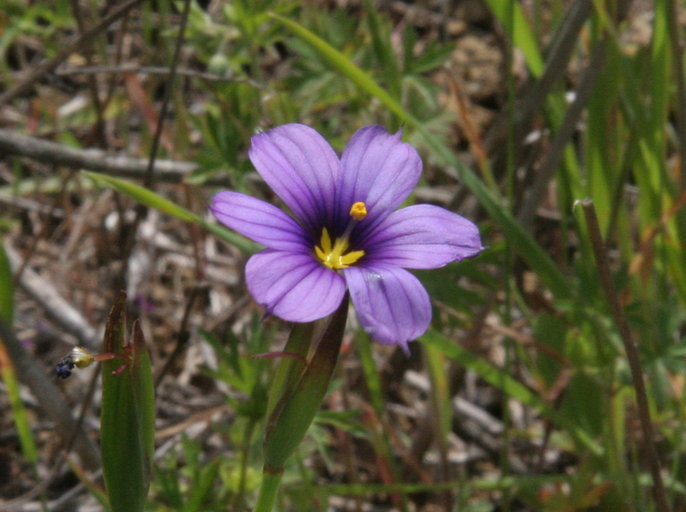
(335, 256)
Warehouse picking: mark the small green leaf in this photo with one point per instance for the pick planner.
(128, 414)
(201, 491)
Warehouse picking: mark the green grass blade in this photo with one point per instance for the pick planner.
(93, 486)
(7, 372)
(340, 62)
(380, 438)
(159, 203)
(201, 492)
(6, 287)
(509, 13)
(290, 368)
(500, 379)
(383, 50)
(440, 392)
(21, 420)
(295, 411)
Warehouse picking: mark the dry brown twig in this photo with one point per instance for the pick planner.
(154, 70)
(12, 143)
(50, 65)
(551, 161)
(532, 101)
(56, 307)
(49, 398)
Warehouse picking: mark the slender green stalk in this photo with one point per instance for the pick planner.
(293, 414)
(248, 433)
(381, 439)
(269, 488)
(300, 399)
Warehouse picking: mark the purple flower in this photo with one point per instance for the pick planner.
(345, 231)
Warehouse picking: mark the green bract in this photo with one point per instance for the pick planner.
(128, 414)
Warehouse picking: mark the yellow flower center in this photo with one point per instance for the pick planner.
(335, 256)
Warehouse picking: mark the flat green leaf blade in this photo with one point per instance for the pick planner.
(143, 391)
(127, 418)
(345, 66)
(7, 373)
(522, 34)
(6, 287)
(161, 204)
(500, 379)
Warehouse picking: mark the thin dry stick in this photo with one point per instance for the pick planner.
(149, 175)
(550, 163)
(147, 181)
(678, 63)
(631, 352)
(54, 305)
(92, 82)
(50, 65)
(532, 101)
(155, 70)
(182, 336)
(12, 143)
(49, 397)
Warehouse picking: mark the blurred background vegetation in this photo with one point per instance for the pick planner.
(520, 397)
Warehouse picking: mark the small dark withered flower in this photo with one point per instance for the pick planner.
(78, 358)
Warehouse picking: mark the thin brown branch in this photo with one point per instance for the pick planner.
(50, 65)
(148, 179)
(149, 176)
(155, 70)
(49, 397)
(92, 82)
(632, 354)
(12, 143)
(533, 100)
(567, 128)
(55, 306)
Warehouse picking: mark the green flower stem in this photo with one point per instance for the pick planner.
(295, 411)
(268, 491)
(297, 395)
(290, 368)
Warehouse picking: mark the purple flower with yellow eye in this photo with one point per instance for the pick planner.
(344, 231)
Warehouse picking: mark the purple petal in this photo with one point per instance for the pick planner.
(390, 303)
(259, 221)
(301, 167)
(422, 236)
(293, 286)
(378, 169)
